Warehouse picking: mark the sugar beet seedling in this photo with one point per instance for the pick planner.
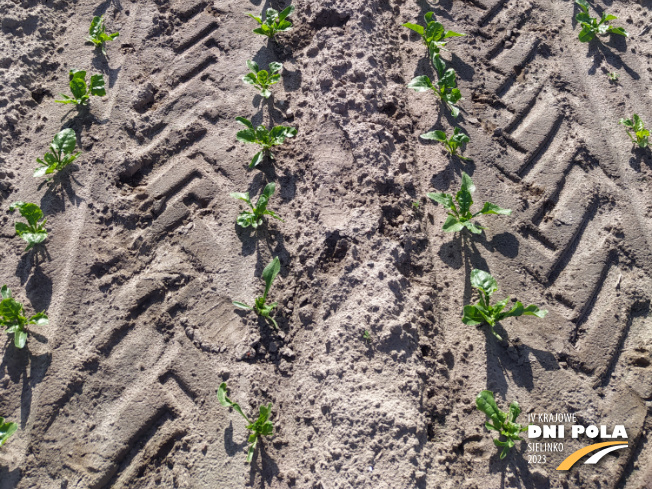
(261, 427)
(33, 232)
(592, 27)
(636, 125)
(452, 144)
(445, 88)
(261, 136)
(433, 34)
(260, 306)
(11, 318)
(262, 79)
(484, 312)
(273, 22)
(97, 33)
(504, 423)
(254, 218)
(459, 219)
(60, 155)
(6, 430)
(81, 91)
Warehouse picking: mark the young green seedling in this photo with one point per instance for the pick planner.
(81, 91)
(459, 219)
(254, 218)
(433, 34)
(261, 427)
(484, 312)
(456, 140)
(445, 88)
(261, 136)
(97, 33)
(592, 27)
(6, 430)
(636, 124)
(260, 307)
(34, 231)
(261, 79)
(366, 335)
(11, 317)
(273, 22)
(60, 155)
(613, 77)
(504, 423)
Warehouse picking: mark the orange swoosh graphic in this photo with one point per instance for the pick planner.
(575, 456)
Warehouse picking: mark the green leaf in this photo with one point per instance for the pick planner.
(96, 27)
(268, 191)
(452, 225)
(29, 211)
(439, 65)
(269, 274)
(250, 79)
(253, 66)
(584, 5)
(66, 141)
(242, 305)
(474, 228)
(241, 196)
(245, 121)
(6, 430)
(39, 319)
(465, 201)
(636, 123)
(515, 311)
(250, 452)
(472, 316)
(97, 87)
(226, 402)
(490, 208)
(514, 411)
(264, 30)
(5, 292)
(485, 402)
(283, 26)
(483, 281)
(583, 18)
(467, 183)
(40, 172)
(285, 13)
(78, 88)
(415, 27)
(275, 67)
(533, 310)
(257, 159)
(618, 30)
(246, 219)
(435, 136)
(247, 136)
(20, 339)
(420, 83)
(434, 31)
(586, 34)
(278, 134)
(444, 199)
(453, 34)
(257, 19)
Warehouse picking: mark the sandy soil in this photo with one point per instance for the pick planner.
(144, 256)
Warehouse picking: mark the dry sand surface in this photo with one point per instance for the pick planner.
(144, 256)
